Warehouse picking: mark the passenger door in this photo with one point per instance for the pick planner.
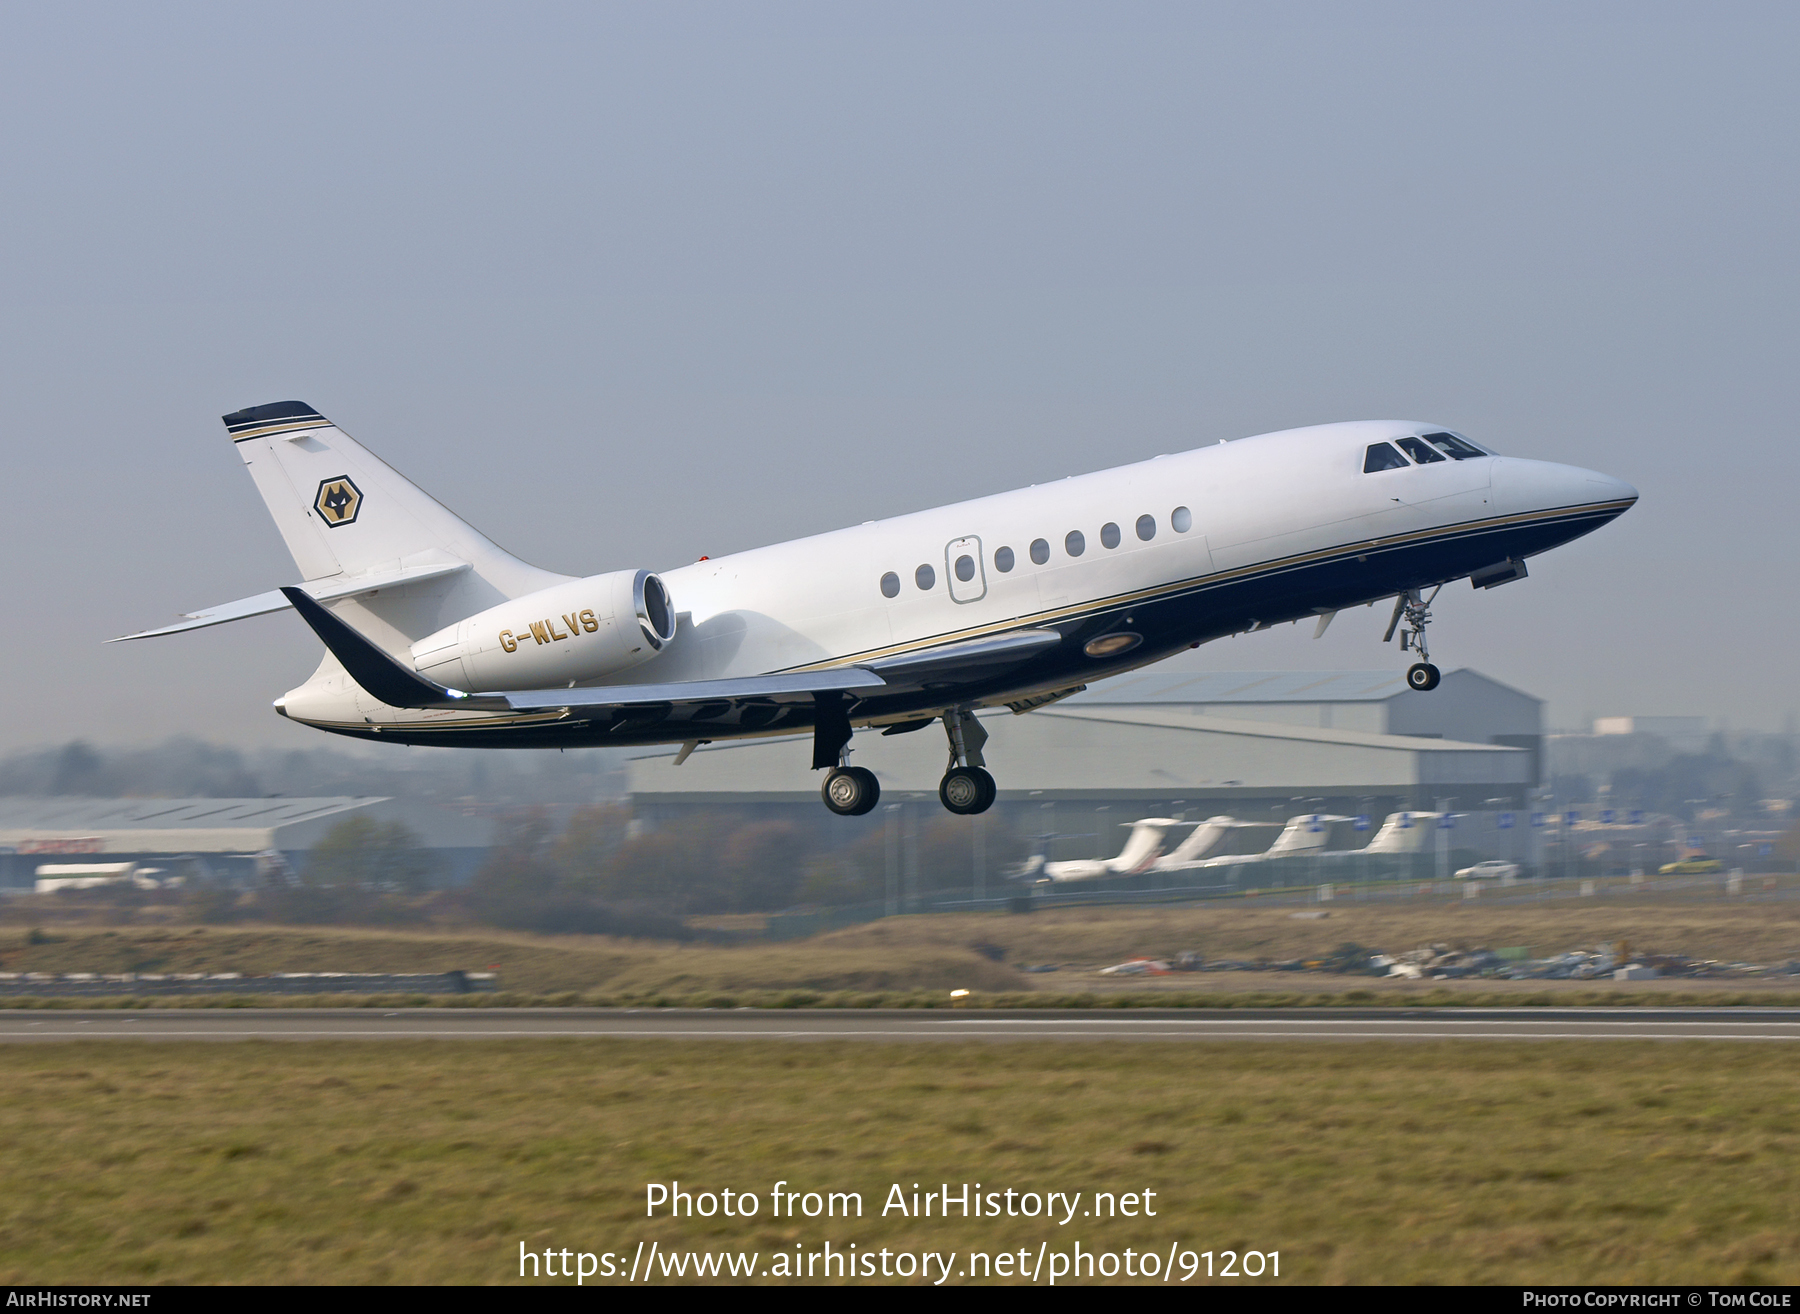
(964, 570)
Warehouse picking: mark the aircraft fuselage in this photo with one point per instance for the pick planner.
(1128, 565)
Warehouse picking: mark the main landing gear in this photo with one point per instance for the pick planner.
(848, 791)
(851, 791)
(1415, 610)
(966, 788)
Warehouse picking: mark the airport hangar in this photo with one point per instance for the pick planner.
(1261, 746)
(227, 839)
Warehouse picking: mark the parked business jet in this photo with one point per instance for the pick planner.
(435, 635)
(1203, 839)
(1141, 852)
(1302, 835)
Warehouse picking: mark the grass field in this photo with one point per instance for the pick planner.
(1618, 1162)
(940, 953)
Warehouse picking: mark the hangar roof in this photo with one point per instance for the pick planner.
(167, 813)
(212, 825)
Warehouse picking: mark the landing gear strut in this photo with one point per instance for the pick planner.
(1414, 609)
(966, 788)
(848, 791)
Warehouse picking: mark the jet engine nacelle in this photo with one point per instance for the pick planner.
(581, 630)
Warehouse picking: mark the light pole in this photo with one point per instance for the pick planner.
(1443, 838)
(979, 857)
(893, 858)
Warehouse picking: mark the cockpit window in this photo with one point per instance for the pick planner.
(1382, 456)
(1459, 448)
(1420, 450)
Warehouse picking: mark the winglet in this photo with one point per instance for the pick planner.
(379, 674)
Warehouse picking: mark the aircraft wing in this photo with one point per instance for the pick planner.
(798, 687)
(324, 590)
(953, 662)
(398, 685)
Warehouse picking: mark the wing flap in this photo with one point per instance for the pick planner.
(799, 687)
(965, 660)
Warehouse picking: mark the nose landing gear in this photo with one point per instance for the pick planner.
(1414, 609)
(966, 788)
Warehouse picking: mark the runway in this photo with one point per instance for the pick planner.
(889, 1025)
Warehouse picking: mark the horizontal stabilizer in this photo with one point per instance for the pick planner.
(324, 590)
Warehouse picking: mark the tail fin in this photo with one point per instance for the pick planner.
(1202, 839)
(343, 511)
(1402, 832)
(1303, 834)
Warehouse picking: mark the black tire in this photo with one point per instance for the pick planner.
(850, 791)
(871, 791)
(989, 790)
(1422, 676)
(966, 790)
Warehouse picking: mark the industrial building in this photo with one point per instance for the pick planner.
(216, 838)
(1166, 742)
(1468, 707)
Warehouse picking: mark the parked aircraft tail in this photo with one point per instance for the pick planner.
(1204, 838)
(1402, 832)
(1303, 834)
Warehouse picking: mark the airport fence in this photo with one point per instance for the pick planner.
(1296, 883)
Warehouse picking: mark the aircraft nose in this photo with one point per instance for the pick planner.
(1548, 484)
(1605, 488)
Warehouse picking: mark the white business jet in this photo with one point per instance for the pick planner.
(1203, 839)
(435, 635)
(1143, 847)
(1142, 851)
(1304, 834)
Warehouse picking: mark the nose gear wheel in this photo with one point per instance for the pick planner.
(1422, 676)
(1414, 609)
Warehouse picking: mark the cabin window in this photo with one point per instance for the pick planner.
(1109, 535)
(1420, 450)
(965, 569)
(1146, 528)
(925, 577)
(1040, 551)
(1460, 449)
(1003, 559)
(1181, 520)
(1075, 543)
(1382, 456)
(890, 585)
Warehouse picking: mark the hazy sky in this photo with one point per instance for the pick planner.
(629, 284)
